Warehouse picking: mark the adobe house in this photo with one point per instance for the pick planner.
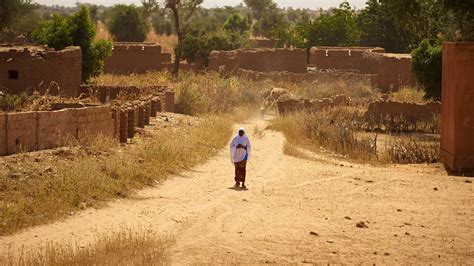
(457, 107)
(29, 68)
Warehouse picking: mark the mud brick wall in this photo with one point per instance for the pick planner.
(344, 58)
(52, 126)
(136, 58)
(23, 68)
(410, 111)
(263, 60)
(393, 70)
(21, 131)
(29, 131)
(3, 140)
(457, 110)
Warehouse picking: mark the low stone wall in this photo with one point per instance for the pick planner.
(27, 131)
(292, 105)
(264, 60)
(409, 111)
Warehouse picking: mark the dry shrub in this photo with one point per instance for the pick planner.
(413, 149)
(122, 247)
(402, 124)
(47, 194)
(409, 94)
(359, 91)
(334, 129)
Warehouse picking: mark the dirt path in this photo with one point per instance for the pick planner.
(288, 198)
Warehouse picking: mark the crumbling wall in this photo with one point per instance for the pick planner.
(392, 71)
(303, 77)
(343, 58)
(263, 60)
(409, 111)
(28, 68)
(457, 112)
(136, 58)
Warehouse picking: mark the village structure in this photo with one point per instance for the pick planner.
(26, 67)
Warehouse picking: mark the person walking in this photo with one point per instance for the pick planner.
(240, 148)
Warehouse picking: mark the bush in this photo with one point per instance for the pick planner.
(77, 30)
(127, 24)
(426, 64)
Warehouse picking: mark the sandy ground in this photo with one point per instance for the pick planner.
(295, 211)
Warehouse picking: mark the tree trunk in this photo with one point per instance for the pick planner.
(177, 55)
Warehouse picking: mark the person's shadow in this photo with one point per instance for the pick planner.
(238, 188)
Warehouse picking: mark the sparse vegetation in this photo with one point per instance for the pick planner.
(120, 247)
(33, 193)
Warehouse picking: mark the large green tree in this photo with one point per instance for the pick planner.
(17, 17)
(127, 24)
(259, 7)
(237, 23)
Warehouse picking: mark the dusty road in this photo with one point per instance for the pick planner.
(295, 211)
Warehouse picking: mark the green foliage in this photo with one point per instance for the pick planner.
(237, 23)
(54, 33)
(427, 67)
(162, 24)
(197, 43)
(77, 30)
(127, 24)
(11, 102)
(259, 7)
(270, 19)
(10, 10)
(338, 28)
(379, 28)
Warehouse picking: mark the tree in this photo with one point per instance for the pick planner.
(127, 24)
(162, 24)
(77, 30)
(259, 7)
(12, 9)
(270, 19)
(237, 23)
(427, 66)
(338, 28)
(54, 33)
(182, 11)
(379, 27)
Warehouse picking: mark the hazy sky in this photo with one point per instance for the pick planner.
(313, 4)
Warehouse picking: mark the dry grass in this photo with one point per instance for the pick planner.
(295, 151)
(408, 94)
(122, 247)
(34, 193)
(340, 130)
(333, 129)
(167, 42)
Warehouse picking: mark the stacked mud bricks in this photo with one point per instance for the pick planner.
(27, 131)
(40, 68)
(457, 107)
(136, 114)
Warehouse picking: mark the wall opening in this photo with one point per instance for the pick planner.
(13, 74)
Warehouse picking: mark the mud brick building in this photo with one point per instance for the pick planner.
(129, 57)
(457, 107)
(28, 68)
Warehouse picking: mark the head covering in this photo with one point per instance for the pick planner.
(238, 155)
